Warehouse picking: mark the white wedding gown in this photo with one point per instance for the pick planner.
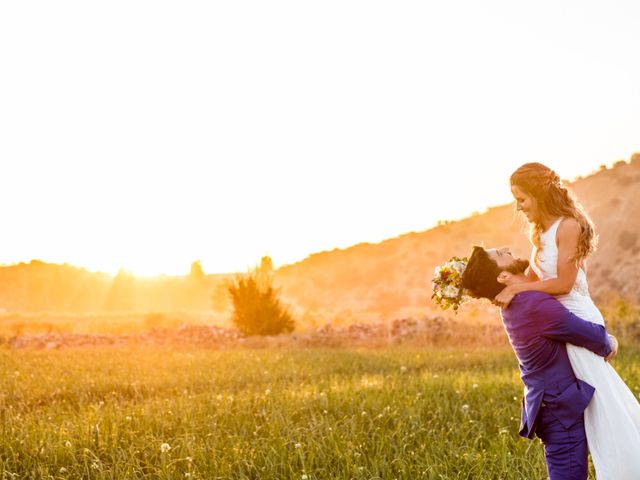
(612, 419)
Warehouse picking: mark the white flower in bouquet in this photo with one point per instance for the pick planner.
(451, 292)
(447, 283)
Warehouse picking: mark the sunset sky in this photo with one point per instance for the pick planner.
(148, 134)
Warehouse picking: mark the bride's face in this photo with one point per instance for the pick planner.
(525, 203)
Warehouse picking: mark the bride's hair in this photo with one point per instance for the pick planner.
(554, 200)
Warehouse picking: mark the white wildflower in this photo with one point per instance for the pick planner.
(459, 266)
(451, 292)
(165, 447)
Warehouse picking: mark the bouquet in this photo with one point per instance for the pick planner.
(447, 284)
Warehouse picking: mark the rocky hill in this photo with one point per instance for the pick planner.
(363, 283)
(392, 278)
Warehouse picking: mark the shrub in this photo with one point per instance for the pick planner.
(256, 305)
(627, 240)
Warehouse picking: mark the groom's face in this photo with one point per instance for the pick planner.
(506, 261)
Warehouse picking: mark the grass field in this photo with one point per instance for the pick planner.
(401, 412)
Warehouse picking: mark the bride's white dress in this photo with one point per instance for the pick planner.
(612, 419)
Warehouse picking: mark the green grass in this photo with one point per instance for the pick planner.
(401, 412)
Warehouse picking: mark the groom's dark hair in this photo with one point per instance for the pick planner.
(481, 275)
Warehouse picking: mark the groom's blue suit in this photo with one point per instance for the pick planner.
(554, 401)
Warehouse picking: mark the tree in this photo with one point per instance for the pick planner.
(256, 303)
(196, 275)
(121, 292)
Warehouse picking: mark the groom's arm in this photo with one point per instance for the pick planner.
(560, 324)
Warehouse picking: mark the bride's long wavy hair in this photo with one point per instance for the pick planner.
(554, 200)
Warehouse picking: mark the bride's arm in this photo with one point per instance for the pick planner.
(567, 238)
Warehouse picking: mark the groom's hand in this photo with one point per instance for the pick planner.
(614, 348)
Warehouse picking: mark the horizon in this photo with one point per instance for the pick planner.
(438, 224)
(228, 132)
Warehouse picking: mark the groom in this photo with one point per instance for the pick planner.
(538, 327)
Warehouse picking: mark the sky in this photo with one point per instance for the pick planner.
(148, 134)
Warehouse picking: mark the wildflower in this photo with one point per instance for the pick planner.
(67, 444)
(403, 369)
(298, 445)
(364, 414)
(63, 470)
(451, 292)
(503, 431)
(304, 476)
(127, 418)
(465, 407)
(475, 385)
(267, 391)
(219, 397)
(95, 466)
(165, 447)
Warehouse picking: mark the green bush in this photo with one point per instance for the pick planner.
(256, 305)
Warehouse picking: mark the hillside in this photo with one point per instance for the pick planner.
(393, 277)
(366, 282)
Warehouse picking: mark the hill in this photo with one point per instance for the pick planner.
(366, 282)
(393, 277)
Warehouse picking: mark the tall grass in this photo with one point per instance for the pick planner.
(401, 412)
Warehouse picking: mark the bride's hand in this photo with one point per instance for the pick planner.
(614, 348)
(503, 299)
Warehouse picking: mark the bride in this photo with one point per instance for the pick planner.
(563, 237)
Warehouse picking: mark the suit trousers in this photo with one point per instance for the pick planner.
(565, 449)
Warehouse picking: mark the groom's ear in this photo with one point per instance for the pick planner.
(503, 277)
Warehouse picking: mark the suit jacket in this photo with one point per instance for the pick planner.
(538, 326)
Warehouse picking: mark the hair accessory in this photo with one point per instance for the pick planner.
(448, 291)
